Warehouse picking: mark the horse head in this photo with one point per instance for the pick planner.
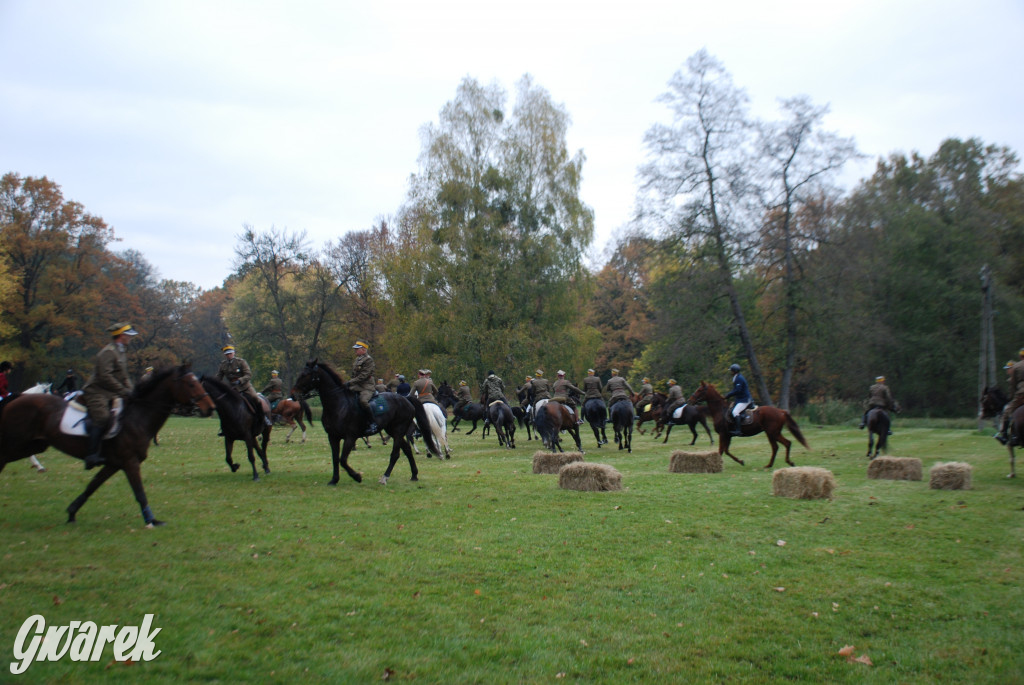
(186, 389)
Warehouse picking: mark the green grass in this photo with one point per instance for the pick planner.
(482, 572)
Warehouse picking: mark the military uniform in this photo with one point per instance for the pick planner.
(361, 379)
(592, 389)
(108, 381)
(493, 389)
(464, 397)
(646, 393)
(618, 388)
(541, 388)
(424, 389)
(274, 390)
(562, 390)
(673, 401)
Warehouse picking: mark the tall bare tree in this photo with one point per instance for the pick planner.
(697, 184)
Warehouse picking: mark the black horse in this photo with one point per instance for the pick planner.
(622, 421)
(595, 411)
(474, 411)
(445, 397)
(523, 421)
(30, 423)
(692, 415)
(240, 421)
(344, 419)
(500, 415)
(878, 424)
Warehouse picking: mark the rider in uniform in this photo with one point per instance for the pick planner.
(563, 390)
(109, 380)
(235, 371)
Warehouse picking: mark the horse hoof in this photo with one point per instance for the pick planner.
(234, 467)
(383, 480)
(1010, 475)
(155, 524)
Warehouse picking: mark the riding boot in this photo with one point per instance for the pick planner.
(736, 430)
(1001, 435)
(372, 428)
(93, 458)
(267, 420)
(864, 420)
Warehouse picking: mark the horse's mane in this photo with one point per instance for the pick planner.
(147, 386)
(218, 384)
(330, 372)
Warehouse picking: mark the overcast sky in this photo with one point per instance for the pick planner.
(178, 122)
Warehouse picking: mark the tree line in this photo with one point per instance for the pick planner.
(742, 250)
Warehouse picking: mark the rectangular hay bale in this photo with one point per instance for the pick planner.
(803, 482)
(695, 462)
(895, 468)
(950, 475)
(551, 462)
(589, 477)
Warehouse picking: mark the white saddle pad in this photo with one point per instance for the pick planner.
(73, 420)
(678, 413)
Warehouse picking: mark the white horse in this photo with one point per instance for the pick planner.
(438, 427)
(37, 389)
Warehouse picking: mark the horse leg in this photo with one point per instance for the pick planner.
(668, 432)
(99, 479)
(250, 445)
(35, 464)
(787, 444)
(575, 433)
(871, 444)
(263, 448)
(302, 426)
(724, 439)
(705, 424)
(288, 437)
(604, 435)
(346, 449)
(133, 472)
(1013, 461)
(229, 446)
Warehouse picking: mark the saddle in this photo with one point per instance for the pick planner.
(378, 405)
(747, 415)
(75, 419)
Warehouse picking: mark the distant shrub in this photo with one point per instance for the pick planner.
(830, 412)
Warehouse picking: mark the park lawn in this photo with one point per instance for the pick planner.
(482, 572)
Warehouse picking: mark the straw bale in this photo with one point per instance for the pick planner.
(950, 475)
(589, 477)
(551, 462)
(895, 468)
(695, 462)
(803, 482)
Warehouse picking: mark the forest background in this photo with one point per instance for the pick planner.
(743, 249)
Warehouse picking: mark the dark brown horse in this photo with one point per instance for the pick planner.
(551, 419)
(771, 420)
(240, 421)
(345, 420)
(991, 404)
(622, 421)
(31, 423)
(504, 422)
(692, 414)
(878, 424)
(653, 413)
(290, 412)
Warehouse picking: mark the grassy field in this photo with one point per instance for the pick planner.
(482, 572)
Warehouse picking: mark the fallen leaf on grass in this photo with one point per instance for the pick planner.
(863, 659)
(847, 650)
(779, 589)
(780, 543)
(388, 673)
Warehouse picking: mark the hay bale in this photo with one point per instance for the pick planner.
(895, 468)
(803, 482)
(695, 462)
(951, 475)
(581, 475)
(551, 462)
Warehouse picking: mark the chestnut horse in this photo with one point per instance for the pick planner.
(771, 420)
(656, 404)
(31, 423)
(551, 419)
(290, 412)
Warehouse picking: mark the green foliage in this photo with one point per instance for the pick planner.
(484, 572)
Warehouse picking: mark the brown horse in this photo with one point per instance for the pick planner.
(771, 420)
(656, 404)
(1016, 434)
(31, 423)
(290, 412)
(691, 416)
(550, 420)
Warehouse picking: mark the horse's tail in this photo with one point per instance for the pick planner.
(795, 430)
(542, 422)
(305, 409)
(424, 424)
